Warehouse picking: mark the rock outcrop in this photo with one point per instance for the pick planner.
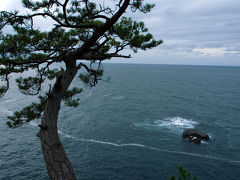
(195, 135)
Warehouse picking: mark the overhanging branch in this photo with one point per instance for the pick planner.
(101, 56)
(98, 33)
(59, 23)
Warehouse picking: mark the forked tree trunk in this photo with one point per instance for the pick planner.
(58, 165)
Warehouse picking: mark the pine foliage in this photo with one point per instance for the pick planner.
(79, 30)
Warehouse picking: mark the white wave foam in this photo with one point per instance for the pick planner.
(118, 97)
(211, 136)
(32, 123)
(148, 147)
(67, 135)
(173, 122)
(140, 146)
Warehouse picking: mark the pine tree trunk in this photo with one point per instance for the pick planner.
(58, 165)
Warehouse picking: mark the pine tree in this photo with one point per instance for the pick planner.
(81, 30)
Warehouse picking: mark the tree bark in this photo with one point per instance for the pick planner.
(58, 165)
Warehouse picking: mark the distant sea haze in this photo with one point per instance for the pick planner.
(131, 126)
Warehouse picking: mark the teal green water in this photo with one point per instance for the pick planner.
(130, 127)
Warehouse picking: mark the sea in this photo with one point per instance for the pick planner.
(129, 127)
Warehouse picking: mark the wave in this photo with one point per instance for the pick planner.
(67, 135)
(5, 112)
(118, 97)
(32, 123)
(172, 123)
(148, 147)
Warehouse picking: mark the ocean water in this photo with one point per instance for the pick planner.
(131, 127)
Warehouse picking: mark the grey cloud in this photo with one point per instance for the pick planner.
(13, 5)
(188, 26)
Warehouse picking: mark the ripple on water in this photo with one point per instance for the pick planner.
(175, 124)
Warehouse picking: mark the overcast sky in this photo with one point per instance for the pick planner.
(203, 32)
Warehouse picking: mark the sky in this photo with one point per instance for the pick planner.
(195, 32)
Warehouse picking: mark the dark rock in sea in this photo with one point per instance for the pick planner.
(195, 135)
